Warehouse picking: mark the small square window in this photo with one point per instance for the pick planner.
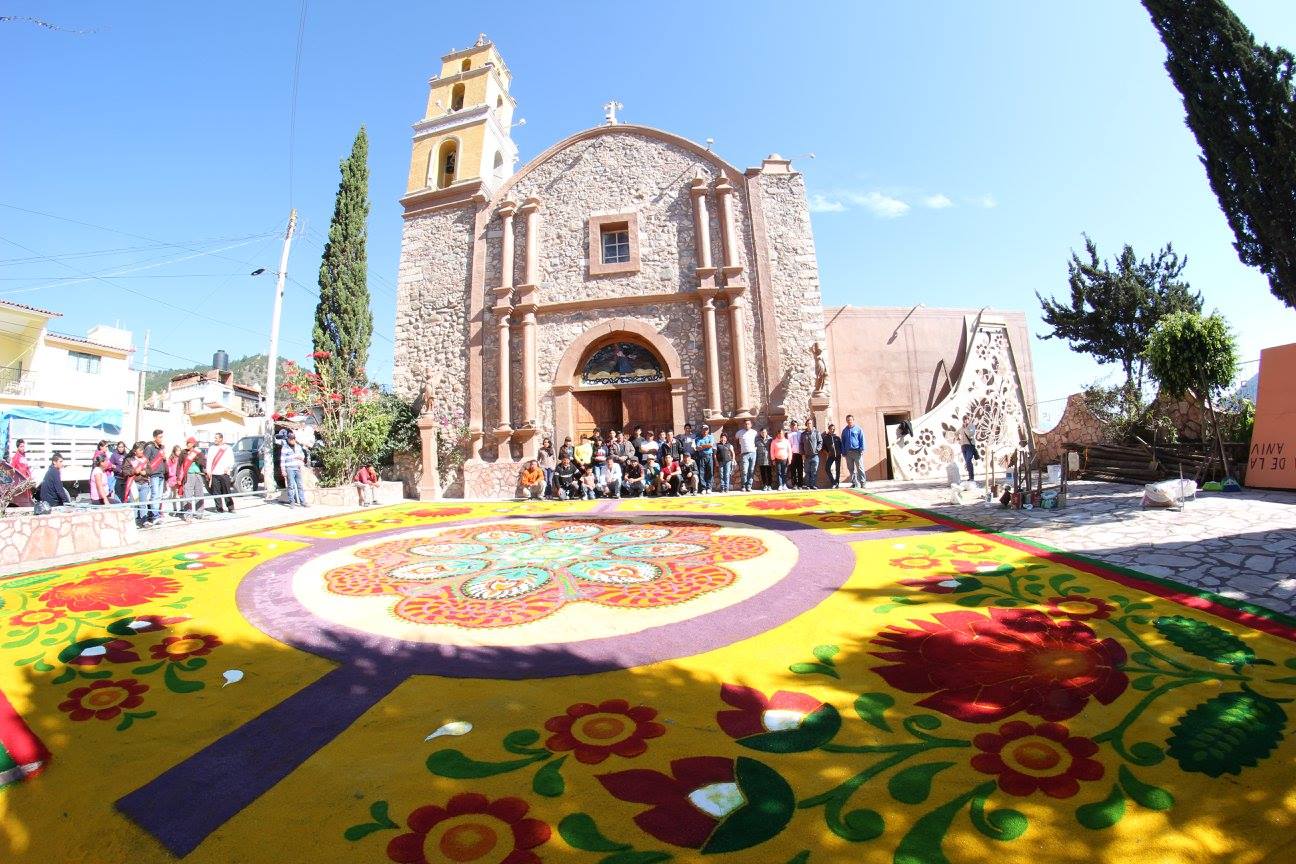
(83, 362)
(616, 245)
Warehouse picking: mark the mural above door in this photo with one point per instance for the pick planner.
(620, 363)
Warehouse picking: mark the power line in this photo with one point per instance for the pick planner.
(292, 115)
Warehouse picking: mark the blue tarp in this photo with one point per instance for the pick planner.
(109, 421)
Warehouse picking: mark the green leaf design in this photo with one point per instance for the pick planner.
(1056, 582)
(972, 599)
(1144, 794)
(129, 718)
(1102, 814)
(634, 857)
(457, 766)
(521, 740)
(176, 684)
(378, 811)
(813, 669)
(1204, 640)
(871, 706)
(1004, 824)
(74, 650)
(65, 676)
(1144, 683)
(548, 781)
(857, 826)
(26, 640)
(1146, 753)
(149, 669)
(769, 808)
(825, 653)
(922, 844)
(1227, 733)
(802, 857)
(580, 832)
(913, 785)
(816, 728)
(359, 832)
(42, 666)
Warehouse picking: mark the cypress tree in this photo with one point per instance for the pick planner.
(1241, 105)
(343, 322)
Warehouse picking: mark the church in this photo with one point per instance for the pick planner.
(627, 276)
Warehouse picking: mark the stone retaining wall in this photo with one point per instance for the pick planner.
(1078, 425)
(491, 480)
(27, 538)
(389, 492)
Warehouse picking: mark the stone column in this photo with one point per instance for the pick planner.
(711, 347)
(728, 231)
(506, 211)
(736, 292)
(701, 226)
(503, 320)
(526, 433)
(429, 488)
(530, 211)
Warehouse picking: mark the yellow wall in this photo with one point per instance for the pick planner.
(15, 348)
(471, 141)
(477, 59)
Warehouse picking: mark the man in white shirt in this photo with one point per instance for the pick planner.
(612, 475)
(796, 468)
(747, 453)
(220, 465)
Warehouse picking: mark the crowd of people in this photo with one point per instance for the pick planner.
(613, 464)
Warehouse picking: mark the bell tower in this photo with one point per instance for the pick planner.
(464, 134)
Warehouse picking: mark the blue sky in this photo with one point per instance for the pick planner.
(961, 149)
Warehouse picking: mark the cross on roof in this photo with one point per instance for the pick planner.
(609, 112)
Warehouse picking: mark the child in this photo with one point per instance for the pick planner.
(588, 483)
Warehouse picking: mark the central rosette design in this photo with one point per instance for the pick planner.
(500, 575)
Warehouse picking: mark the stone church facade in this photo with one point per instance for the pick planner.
(624, 276)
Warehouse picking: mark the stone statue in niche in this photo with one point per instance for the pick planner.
(820, 370)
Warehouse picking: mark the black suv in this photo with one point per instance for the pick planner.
(247, 463)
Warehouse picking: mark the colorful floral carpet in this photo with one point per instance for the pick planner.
(791, 679)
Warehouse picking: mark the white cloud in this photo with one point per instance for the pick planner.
(882, 206)
(937, 201)
(987, 201)
(823, 204)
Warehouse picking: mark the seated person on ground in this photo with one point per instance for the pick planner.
(533, 480)
(566, 479)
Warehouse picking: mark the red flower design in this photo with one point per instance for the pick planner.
(104, 700)
(783, 503)
(983, 669)
(1043, 757)
(1094, 608)
(92, 652)
(595, 732)
(434, 512)
(915, 562)
(179, 648)
(758, 713)
(105, 590)
(971, 548)
(693, 807)
(934, 584)
(471, 827)
(35, 617)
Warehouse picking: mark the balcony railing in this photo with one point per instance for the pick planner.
(17, 381)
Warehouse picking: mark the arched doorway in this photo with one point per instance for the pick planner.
(621, 383)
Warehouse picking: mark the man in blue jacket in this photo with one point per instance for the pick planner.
(852, 438)
(52, 491)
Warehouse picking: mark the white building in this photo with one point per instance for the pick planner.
(202, 404)
(62, 392)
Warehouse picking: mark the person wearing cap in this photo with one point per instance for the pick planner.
(632, 484)
(704, 453)
(651, 475)
(292, 461)
(193, 467)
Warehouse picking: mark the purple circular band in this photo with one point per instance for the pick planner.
(824, 563)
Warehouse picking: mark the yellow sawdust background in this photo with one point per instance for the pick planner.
(67, 814)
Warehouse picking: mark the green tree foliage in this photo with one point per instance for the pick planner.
(1114, 306)
(343, 322)
(1241, 104)
(1189, 351)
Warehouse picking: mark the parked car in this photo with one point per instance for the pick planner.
(247, 463)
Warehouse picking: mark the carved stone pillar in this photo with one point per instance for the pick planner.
(712, 351)
(429, 488)
(525, 308)
(506, 211)
(530, 211)
(701, 227)
(728, 230)
(736, 292)
(503, 320)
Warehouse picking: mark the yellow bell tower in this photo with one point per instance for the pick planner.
(464, 134)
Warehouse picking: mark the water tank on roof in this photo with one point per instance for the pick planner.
(220, 360)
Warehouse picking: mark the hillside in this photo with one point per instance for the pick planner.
(249, 370)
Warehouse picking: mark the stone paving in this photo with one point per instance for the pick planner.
(1240, 546)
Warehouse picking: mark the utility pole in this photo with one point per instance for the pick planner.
(139, 389)
(272, 361)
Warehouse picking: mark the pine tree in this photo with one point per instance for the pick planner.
(343, 322)
(1112, 310)
(1241, 105)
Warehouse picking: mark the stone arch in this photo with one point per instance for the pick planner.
(636, 330)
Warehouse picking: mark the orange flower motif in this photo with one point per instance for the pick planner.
(35, 617)
(177, 648)
(595, 732)
(915, 562)
(111, 588)
(471, 827)
(104, 700)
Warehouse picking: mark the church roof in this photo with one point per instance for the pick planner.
(619, 129)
